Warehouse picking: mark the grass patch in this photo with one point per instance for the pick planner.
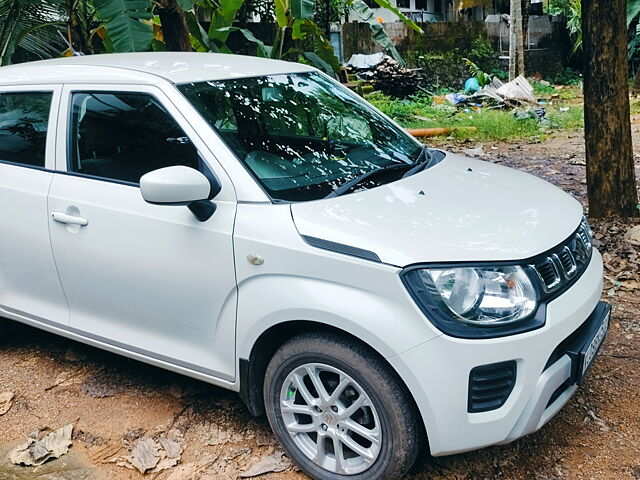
(491, 124)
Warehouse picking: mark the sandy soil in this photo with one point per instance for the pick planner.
(113, 401)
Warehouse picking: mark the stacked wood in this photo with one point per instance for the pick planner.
(393, 79)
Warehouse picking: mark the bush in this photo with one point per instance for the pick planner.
(568, 77)
(483, 54)
(448, 70)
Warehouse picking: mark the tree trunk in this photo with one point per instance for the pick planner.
(516, 40)
(611, 178)
(174, 26)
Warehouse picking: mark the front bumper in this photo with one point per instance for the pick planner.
(437, 372)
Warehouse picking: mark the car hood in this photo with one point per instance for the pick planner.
(461, 209)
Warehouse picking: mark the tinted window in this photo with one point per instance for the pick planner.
(24, 118)
(122, 136)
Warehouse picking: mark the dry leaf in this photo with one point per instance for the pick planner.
(36, 451)
(269, 464)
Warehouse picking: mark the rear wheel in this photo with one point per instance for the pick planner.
(339, 411)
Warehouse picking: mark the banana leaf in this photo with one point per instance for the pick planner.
(122, 22)
(378, 32)
(406, 20)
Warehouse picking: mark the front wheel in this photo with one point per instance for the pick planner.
(339, 411)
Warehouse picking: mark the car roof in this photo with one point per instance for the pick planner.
(145, 68)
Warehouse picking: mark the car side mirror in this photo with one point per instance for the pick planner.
(180, 185)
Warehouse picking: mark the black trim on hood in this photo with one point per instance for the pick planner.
(341, 248)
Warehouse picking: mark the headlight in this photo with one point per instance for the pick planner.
(476, 301)
(482, 296)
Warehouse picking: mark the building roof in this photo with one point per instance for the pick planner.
(176, 67)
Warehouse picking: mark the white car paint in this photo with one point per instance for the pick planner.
(459, 210)
(153, 283)
(174, 185)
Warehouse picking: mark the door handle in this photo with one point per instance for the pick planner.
(69, 219)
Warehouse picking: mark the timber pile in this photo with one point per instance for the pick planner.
(393, 79)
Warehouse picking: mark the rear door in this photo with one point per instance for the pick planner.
(150, 279)
(29, 284)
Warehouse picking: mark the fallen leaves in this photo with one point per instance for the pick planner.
(620, 255)
(632, 235)
(149, 455)
(6, 402)
(38, 448)
(270, 464)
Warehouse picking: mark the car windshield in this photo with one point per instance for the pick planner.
(302, 135)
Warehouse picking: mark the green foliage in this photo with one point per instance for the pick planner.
(568, 76)
(31, 26)
(483, 54)
(378, 33)
(558, 7)
(302, 9)
(483, 78)
(574, 24)
(420, 112)
(122, 22)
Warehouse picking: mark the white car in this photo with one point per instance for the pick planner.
(255, 225)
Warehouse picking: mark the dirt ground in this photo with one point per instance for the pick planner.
(112, 401)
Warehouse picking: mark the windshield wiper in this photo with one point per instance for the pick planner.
(425, 160)
(351, 184)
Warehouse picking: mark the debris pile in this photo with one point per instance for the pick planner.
(393, 79)
(386, 74)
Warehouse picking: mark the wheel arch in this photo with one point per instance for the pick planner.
(252, 370)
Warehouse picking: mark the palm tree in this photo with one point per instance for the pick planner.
(31, 29)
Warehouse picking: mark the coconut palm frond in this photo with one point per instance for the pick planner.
(31, 25)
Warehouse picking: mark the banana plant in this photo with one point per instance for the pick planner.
(128, 23)
(378, 33)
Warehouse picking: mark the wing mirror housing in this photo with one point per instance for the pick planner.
(180, 185)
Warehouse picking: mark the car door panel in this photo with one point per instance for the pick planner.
(29, 283)
(149, 278)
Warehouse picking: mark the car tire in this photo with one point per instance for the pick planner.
(369, 429)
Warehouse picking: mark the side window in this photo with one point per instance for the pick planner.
(24, 117)
(122, 136)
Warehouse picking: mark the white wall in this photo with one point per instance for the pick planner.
(412, 12)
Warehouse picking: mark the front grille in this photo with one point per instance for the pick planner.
(490, 386)
(565, 262)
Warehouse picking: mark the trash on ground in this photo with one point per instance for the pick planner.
(519, 90)
(270, 464)
(152, 456)
(6, 402)
(38, 449)
(455, 98)
(362, 61)
(472, 85)
(538, 114)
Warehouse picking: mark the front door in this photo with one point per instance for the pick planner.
(149, 279)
